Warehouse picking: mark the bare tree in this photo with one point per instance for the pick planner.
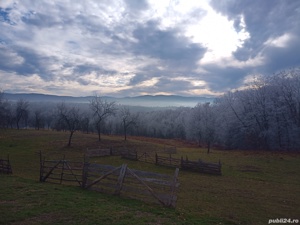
(101, 109)
(49, 117)
(38, 119)
(128, 119)
(3, 110)
(85, 123)
(22, 112)
(70, 118)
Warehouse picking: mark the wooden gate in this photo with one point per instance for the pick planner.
(132, 183)
(61, 171)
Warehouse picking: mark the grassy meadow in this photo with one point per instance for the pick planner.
(255, 186)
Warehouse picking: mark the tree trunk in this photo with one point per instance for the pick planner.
(99, 131)
(208, 147)
(125, 131)
(70, 138)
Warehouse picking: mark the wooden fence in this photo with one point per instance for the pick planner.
(5, 166)
(202, 167)
(142, 185)
(167, 161)
(144, 157)
(148, 186)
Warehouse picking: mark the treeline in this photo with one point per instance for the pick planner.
(263, 116)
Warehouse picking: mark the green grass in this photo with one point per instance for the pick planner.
(254, 187)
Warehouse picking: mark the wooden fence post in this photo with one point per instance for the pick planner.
(84, 171)
(121, 179)
(172, 199)
(62, 169)
(41, 167)
(181, 162)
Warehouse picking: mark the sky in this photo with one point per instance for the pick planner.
(144, 47)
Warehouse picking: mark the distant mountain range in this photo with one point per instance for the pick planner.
(143, 100)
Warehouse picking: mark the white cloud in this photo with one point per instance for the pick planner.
(279, 42)
(149, 83)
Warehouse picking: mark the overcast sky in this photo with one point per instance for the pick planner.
(136, 47)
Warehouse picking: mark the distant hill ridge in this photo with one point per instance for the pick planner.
(143, 100)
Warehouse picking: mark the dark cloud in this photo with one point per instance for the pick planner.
(89, 68)
(175, 50)
(220, 79)
(175, 53)
(90, 24)
(40, 20)
(138, 78)
(282, 57)
(83, 81)
(164, 84)
(137, 5)
(23, 61)
(169, 85)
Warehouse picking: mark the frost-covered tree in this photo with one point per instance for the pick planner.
(101, 109)
(69, 117)
(265, 115)
(202, 124)
(129, 119)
